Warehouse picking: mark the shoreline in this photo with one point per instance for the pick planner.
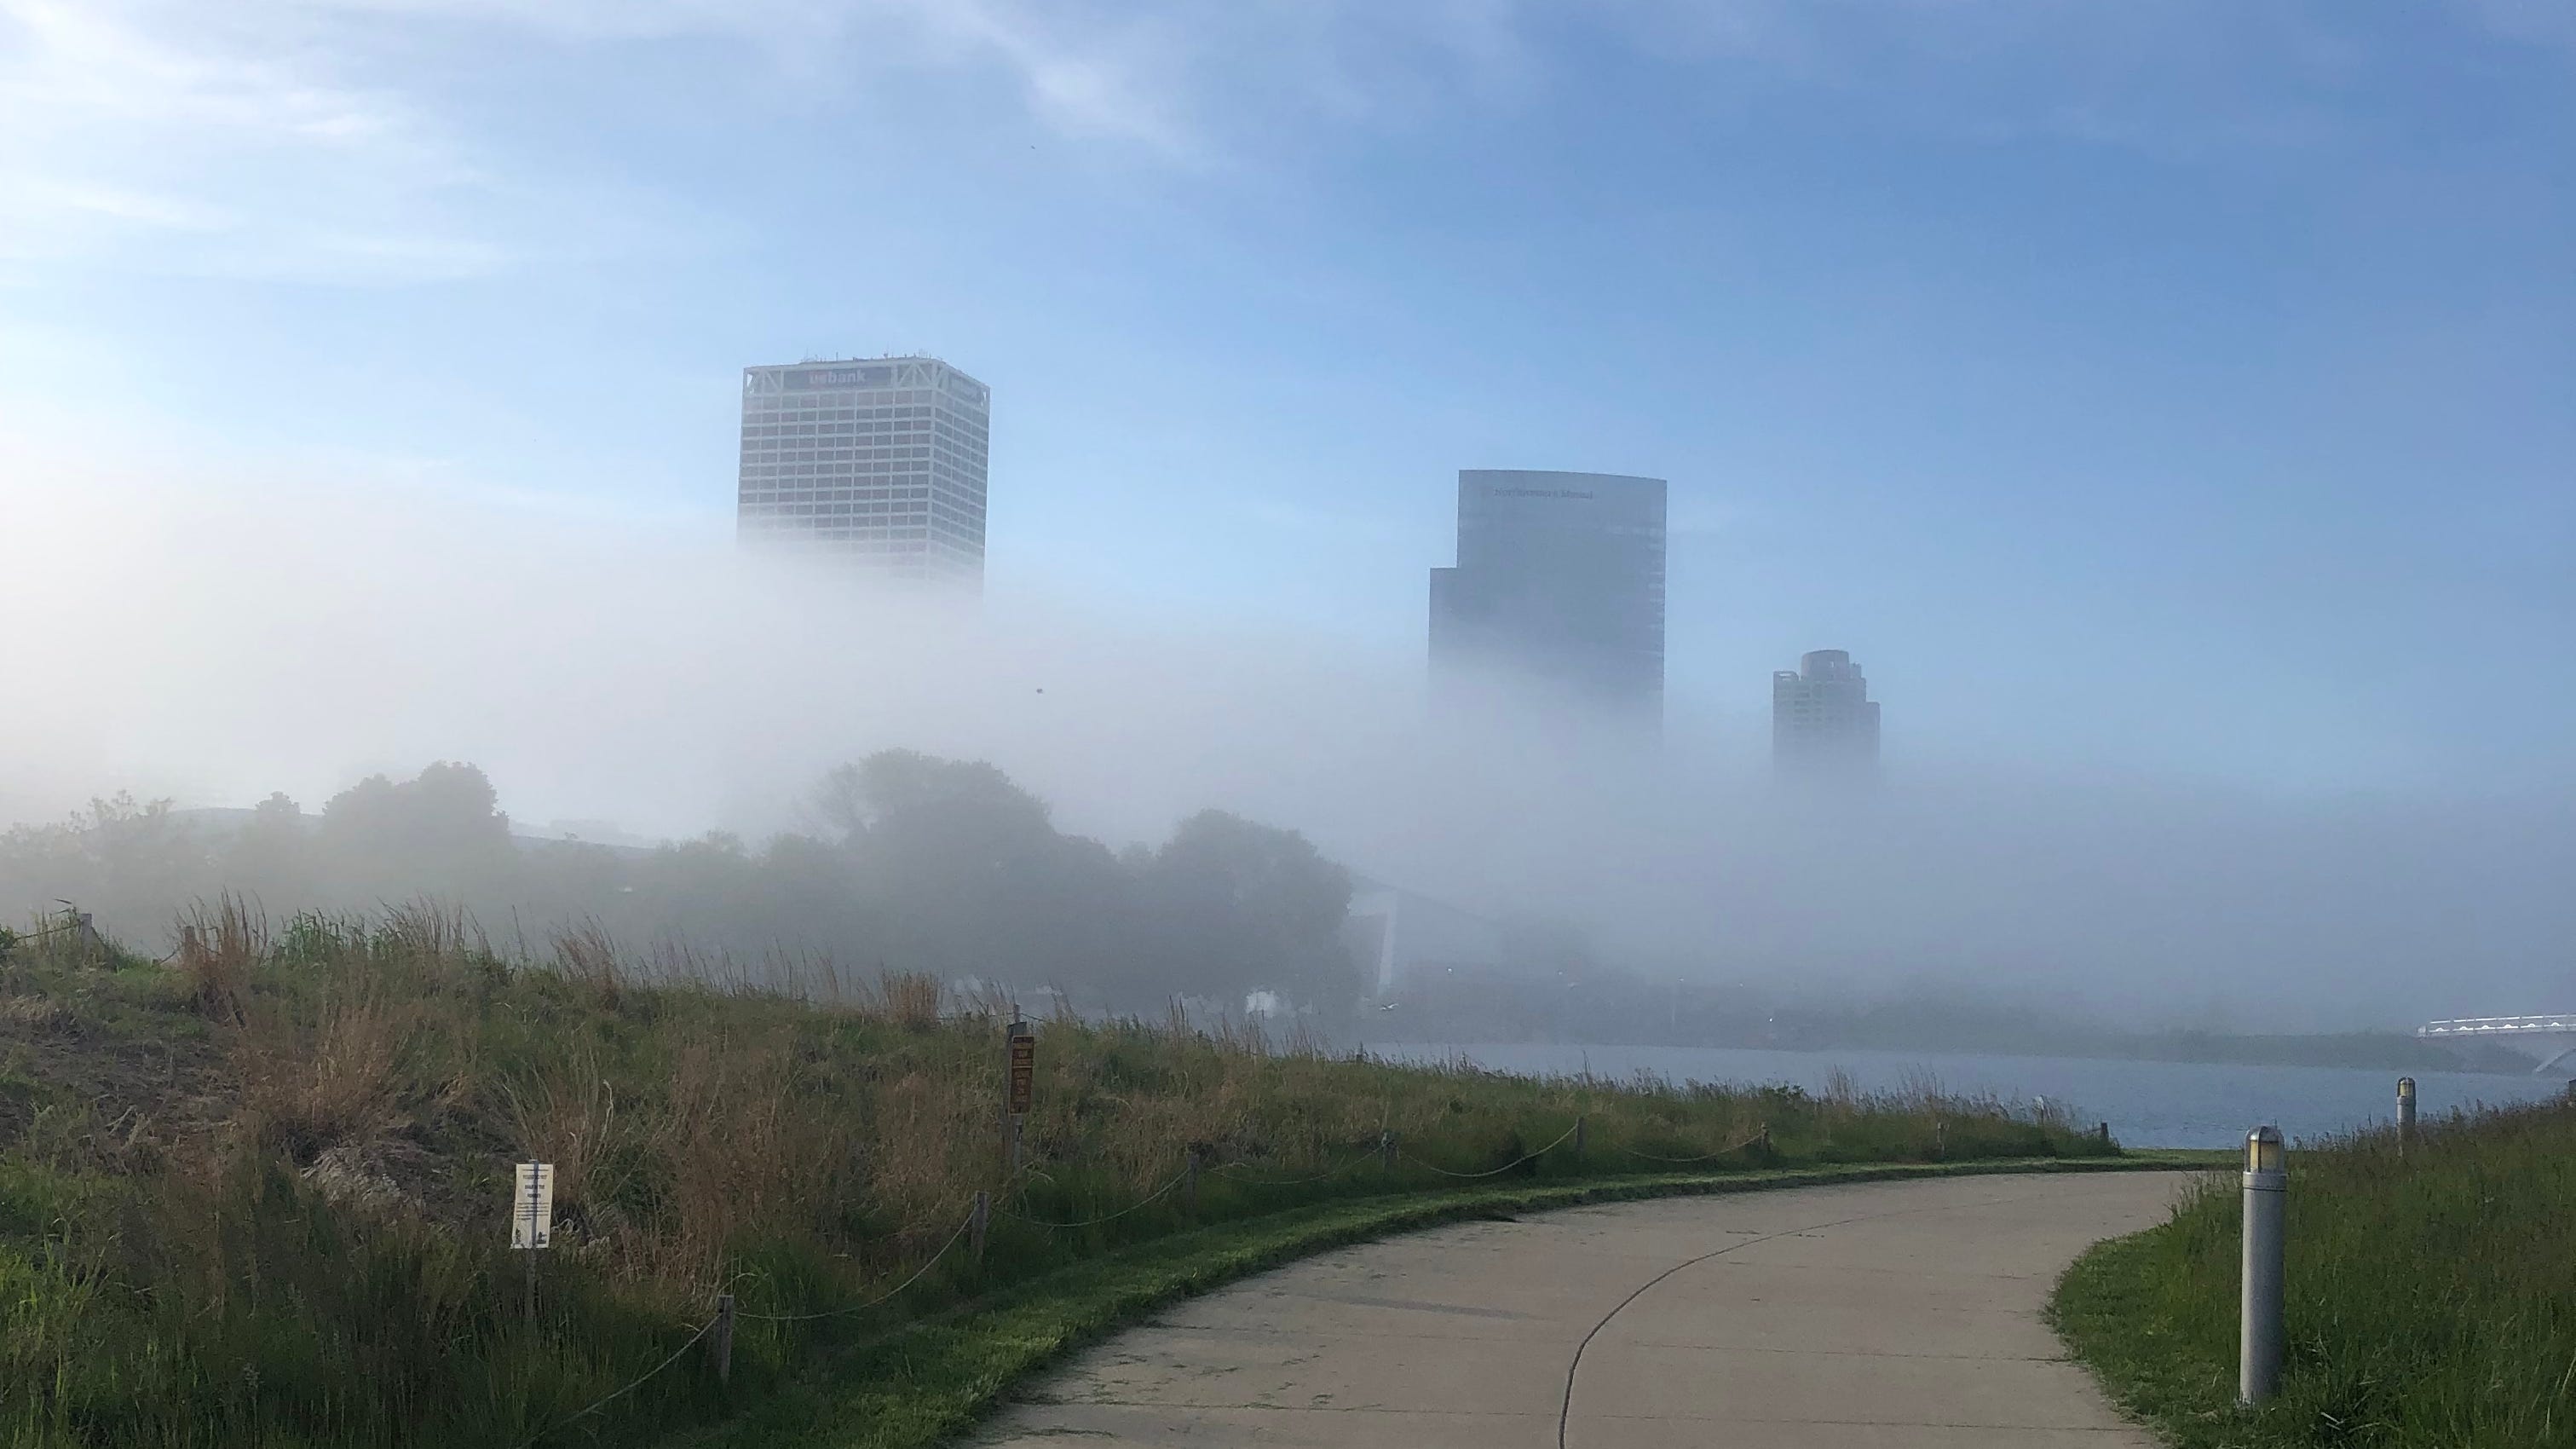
(2499, 1064)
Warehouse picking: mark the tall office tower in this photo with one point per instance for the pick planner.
(879, 459)
(1560, 580)
(1822, 715)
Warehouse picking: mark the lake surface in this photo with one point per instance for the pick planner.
(2148, 1104)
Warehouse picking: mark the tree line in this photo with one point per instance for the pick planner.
(914, 864)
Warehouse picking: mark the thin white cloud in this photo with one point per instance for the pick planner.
(308, 138)
(2540, 22)
(145, 133)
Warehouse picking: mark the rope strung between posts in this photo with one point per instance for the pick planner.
(603, 1401)
(77, 923)
(917, 1275)
(1703, 1157)
(957, 1236)
(1346, 1164)
(1157, 1194)
(1506, 1167)
(709, 1326)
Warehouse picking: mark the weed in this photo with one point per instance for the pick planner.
(2431, 1296)
(298, 1238)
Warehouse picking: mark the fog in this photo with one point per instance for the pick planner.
(216, 639)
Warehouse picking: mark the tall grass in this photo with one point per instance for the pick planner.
(270, 1206)
(2431, 1295)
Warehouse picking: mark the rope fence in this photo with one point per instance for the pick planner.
(1759, 1137)
(1385, 1151)
(1506, 1167)
(604, 1400)
(1155, 1196)
(887, 1296)
(1233, 1170)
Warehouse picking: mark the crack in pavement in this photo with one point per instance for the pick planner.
(1565, 1410)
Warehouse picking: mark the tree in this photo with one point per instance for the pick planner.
(271, 858)
(1243, 907)
(440, 834)
(970, 874)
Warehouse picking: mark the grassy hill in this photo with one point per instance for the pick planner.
(255, 1193)
(2431, 1296)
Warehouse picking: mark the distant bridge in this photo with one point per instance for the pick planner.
(2545, 1039)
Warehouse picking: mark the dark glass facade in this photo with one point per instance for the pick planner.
(1559, 582)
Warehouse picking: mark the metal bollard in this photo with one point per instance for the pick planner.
(2405, 1114)
(2258, 1340)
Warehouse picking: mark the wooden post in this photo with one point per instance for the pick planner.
(1190, 1183)
(1386, 1150)
(720, 1341)
(1578, 1140)
(977, 1220)
(1019, 1096)
(1940, 1138)
(532, 1285)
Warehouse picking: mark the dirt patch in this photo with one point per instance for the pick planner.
(136, 1084)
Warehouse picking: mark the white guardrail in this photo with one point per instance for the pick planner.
(2493, 1025)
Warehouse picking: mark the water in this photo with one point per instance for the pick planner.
(2148, 1104)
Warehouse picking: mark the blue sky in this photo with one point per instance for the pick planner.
(2186, 387)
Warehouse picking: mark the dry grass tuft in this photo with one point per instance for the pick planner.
(587, 954)
(910, 999)
(218, 946)
(569, 1117)
(423, 930)
(308, 1088)
(36, 1015)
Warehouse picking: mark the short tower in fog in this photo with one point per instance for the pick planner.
(1822, 718)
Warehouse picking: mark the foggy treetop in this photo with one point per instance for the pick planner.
(915, 864)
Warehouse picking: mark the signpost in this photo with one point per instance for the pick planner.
(532, 1219)
(1023, 1090)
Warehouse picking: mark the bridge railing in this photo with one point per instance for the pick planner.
(2488, 1025)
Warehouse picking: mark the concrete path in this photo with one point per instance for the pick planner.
(1874, 1314)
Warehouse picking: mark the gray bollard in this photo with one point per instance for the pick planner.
(2258, 1342)
(2405, 1114)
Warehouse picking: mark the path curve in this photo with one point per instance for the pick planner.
(1879, 1315)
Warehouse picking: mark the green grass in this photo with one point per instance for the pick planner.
(253, 1198)
(2431, 1298)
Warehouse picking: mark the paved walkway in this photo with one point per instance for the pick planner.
(1873, 1314)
